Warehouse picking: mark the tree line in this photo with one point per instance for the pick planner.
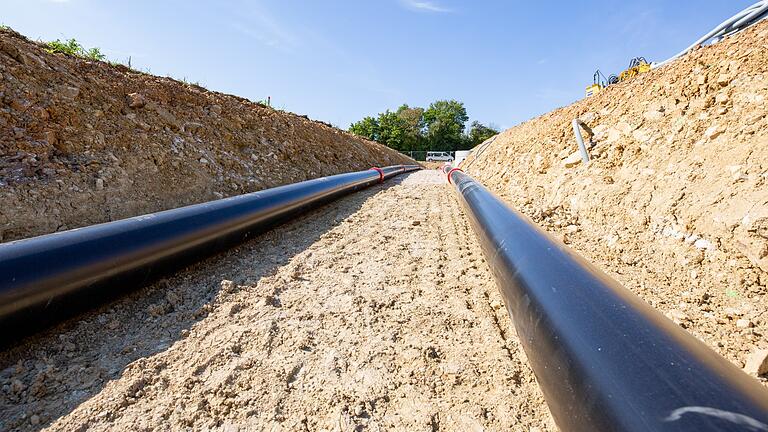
(441, 127)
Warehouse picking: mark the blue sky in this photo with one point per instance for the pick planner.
(338, 61)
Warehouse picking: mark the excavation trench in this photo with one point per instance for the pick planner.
(375, 311)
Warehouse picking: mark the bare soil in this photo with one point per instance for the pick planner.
(674, 203)
(84, 142)
(376, 312)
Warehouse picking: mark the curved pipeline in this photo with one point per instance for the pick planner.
(46, 278)
(604, 358)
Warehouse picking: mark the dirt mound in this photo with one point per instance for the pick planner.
(83, 142)
(674, 203)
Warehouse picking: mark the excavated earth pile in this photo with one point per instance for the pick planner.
(674, 203)
(84, 142)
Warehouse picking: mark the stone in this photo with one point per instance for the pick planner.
(35, 419)
(737, 173)
(166, 115)
(653, 115)
(757, 362)
(17, 386)
(99, 184)
(612, 135)
(136, 100)
(743, 323)
(641, 135)
(416, 223)
(724, 79)
(713, 132)
(20, 104)
(450, 368)
(572, 160)
(570, 229)
(69, 91)
(702, 244)
(216, 109)
(677, 316)
(540, 164)
(588, 117)
(722, 98)
(227, 286)
(624, 128)
(192, 126)
(12, 51)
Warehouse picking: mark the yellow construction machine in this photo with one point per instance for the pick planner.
(637, 66)
(599, 82)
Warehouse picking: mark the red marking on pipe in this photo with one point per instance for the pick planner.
(451, 171)
(381, 173)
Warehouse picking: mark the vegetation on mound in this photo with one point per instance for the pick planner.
(74, 48)
(440, 127)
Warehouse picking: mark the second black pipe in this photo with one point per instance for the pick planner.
(605, 359)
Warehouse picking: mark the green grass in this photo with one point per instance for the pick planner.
(187, 82)
(74, 48)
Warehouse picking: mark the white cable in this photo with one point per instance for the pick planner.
(732, 25)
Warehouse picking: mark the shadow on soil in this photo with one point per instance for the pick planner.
(47, 376)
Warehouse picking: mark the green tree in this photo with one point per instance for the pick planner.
(441, 127)
(392, 130)
(367, 127)
(478, 133)
(412, 122)
(445, 120)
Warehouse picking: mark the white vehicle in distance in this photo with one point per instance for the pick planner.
(439, 157)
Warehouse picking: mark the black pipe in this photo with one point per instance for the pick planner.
(47, 278)
(605, 359)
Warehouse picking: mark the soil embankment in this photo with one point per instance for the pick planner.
(674, 203)
(84, 142)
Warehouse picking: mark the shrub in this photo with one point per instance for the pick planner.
(72, 47)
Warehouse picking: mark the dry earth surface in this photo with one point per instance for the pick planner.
(84, 142)
(674, 203)
(376, 312)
